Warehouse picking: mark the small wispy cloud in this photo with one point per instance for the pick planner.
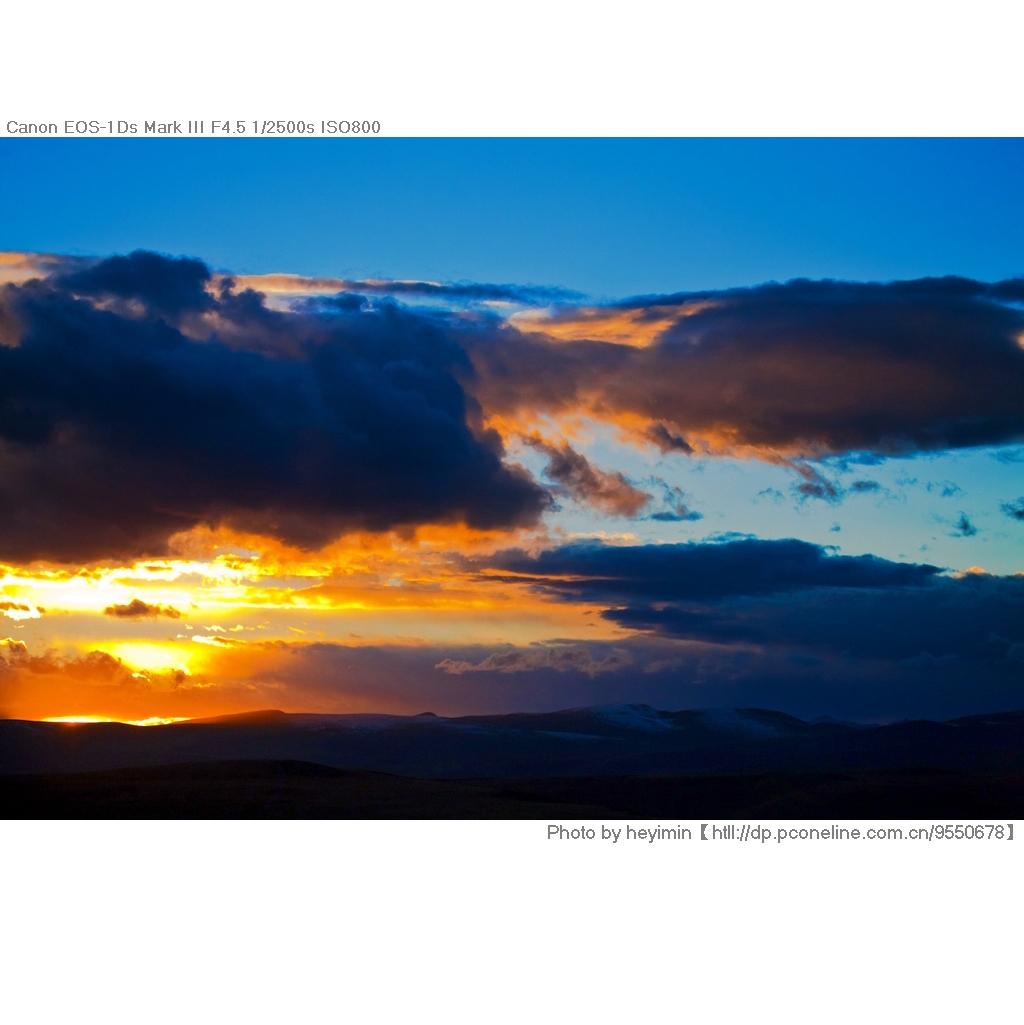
(1015, 510)
(964, 527)
(560, 658)
(138, 609)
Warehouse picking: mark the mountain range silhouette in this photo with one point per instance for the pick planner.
(619, 759)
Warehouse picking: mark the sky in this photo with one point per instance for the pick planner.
(498, 425)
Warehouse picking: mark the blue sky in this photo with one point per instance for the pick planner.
(607, 217)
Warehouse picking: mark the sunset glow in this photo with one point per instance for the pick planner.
(319, 488)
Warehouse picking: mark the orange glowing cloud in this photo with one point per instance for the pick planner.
(16, 267)
(637, 327)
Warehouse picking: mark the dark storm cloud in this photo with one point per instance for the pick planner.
(135, 404)
(788, 370)
(697, 572)
(789, 596)
(975, 619)
(163, 285)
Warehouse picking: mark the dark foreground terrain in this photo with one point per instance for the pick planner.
(626, 761)
(273, 789)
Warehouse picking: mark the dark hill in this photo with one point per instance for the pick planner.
(288, 790)
(604, 741)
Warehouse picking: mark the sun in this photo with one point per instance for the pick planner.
(151, 656)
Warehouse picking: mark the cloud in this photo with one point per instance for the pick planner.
(698, 571)
(576, 477)
(969, 674)
(18, 610)
(787, 596)
(95, 683)
(675, 509)
(558, 657)
(815, 485)
(325, 677)
(949, 619)
(142, 396)
(667, 440)
(803, 369)
(18, 267)
(163, 286)
(459, 292)
(677, 515)
(963, 527)
(138, 609)
(136, 403)
(1015, 510)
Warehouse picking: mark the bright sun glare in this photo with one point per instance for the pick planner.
(153, 720)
